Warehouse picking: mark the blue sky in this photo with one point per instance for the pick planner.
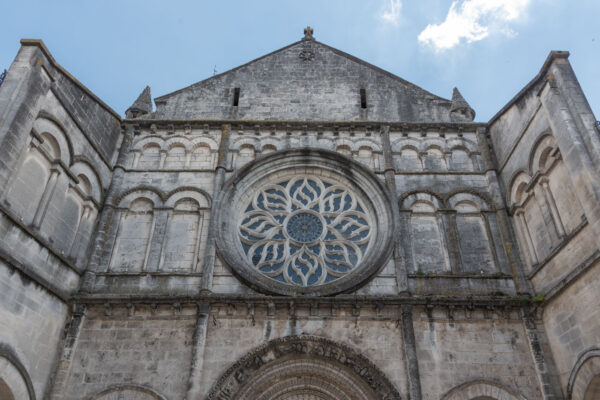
(489, 49)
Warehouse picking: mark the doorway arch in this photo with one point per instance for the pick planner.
(300, 368)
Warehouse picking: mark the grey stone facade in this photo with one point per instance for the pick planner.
(154, 257)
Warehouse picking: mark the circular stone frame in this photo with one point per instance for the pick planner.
(238, 190)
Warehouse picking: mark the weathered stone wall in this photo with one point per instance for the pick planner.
(546, 144)
(465, 345)
(142, 345)
(571, 321)
(282, 86)
(31, 323)
(57, 144)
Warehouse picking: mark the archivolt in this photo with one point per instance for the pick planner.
(480, 389)
(133, 392)
(583, 381)
(297, 367)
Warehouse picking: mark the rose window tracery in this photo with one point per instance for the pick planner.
(305, 231)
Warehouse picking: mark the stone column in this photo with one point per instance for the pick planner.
(103, 225)
(199, 341)
(552, 206)
(209, 252)
(540, 197)
(504, 225)
(450, 237)
(160, 221)
(80, 232)
(410, 353)
(390, 180)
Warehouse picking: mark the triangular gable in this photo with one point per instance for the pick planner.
(306, 80)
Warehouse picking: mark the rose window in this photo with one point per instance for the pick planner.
(305, 231)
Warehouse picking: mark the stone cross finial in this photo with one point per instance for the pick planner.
(308, 33)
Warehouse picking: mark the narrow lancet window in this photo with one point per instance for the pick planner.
(363, 98)
(236, 96)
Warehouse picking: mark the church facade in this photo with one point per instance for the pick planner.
(305, 226)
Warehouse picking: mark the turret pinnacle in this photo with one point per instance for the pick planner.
(460, 109)
(143, 105)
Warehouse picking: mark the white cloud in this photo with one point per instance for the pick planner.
(473, 20)
(391, 14)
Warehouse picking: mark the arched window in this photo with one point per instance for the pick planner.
(150, 157)
(365, 156)
(409, 160)
(175, 157)
(474, 238)
(344, 150)
(461, 160)
(427, 244)
(433, 160)
(246, 154)
(201, 157)
(182, 239)
(268, 148)
(133, 237)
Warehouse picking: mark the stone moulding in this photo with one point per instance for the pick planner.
(341, 356)
(287, 163)
(578, 382)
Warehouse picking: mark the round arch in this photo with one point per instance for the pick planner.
(130, 392)
(584, 381)
(298, 367)
(14, 379)
(481, 390)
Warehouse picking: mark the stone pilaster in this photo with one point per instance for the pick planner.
(209, 257)
(390, 180)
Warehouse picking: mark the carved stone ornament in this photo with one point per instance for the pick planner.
(306, 365)
(304, 222)
(307, 54)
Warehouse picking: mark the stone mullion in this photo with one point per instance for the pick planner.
(441, 225)
(210, 249)
(553, 209)
(163, 158)
(491, 241)
(527, 233)
(160, 219)
(164, 240)
(504, 225)
(547, 217)
(524, 245)
(450, 233)
(410, 353)
(80, 232)
(400, 258)
(106, 213)
(199, 228)
(198, 346)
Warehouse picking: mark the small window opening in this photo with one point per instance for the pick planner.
(363, 98)
(236, 96)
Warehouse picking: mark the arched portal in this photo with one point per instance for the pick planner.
(303, 368)
(15, 383)
(481, 390)
(584, 382)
